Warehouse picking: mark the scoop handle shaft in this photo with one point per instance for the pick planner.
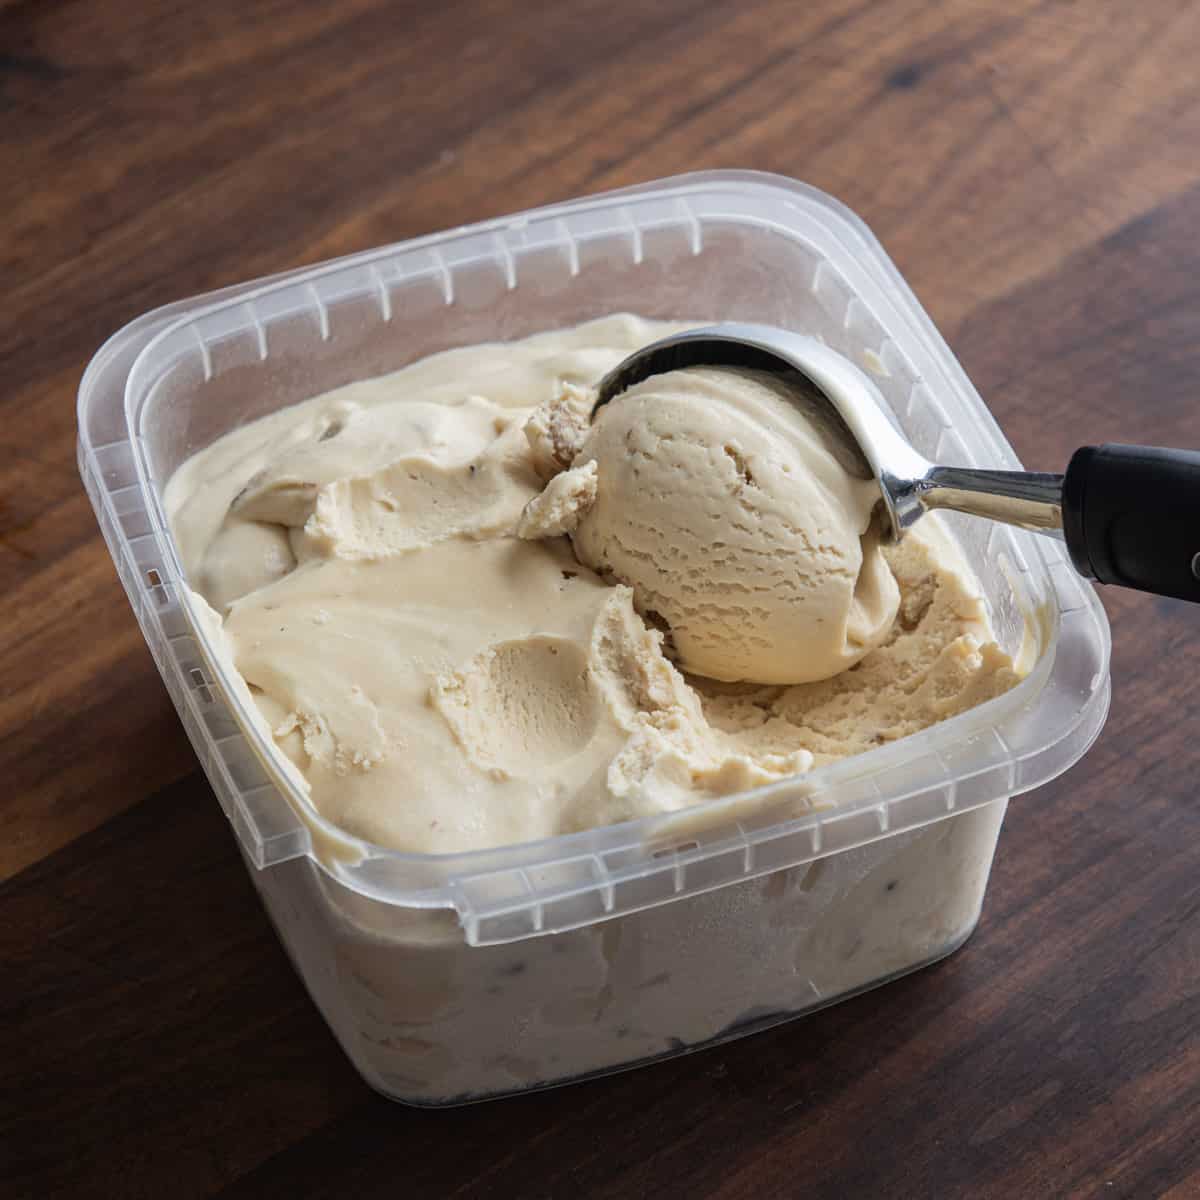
(1023, 498)
(1131, 515)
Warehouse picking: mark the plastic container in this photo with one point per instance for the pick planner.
(449, 978)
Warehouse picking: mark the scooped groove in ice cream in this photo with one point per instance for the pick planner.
(390, 574)
(734, 515)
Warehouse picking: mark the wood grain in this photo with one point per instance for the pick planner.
(1032, 167)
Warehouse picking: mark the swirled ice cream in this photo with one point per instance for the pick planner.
(401, 571)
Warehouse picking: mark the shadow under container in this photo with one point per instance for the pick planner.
(449, 978)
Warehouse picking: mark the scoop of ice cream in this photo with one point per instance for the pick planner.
(736, 515)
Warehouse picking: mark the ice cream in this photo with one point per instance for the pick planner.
(735, 514)
(388, 574)
(433, 1021)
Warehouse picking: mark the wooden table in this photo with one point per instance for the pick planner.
(1034, 168)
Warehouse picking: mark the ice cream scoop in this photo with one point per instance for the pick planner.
(728, 502)
(1127, 513)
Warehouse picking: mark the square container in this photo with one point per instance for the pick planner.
(455, 977)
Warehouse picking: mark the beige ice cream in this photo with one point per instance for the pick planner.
(727, 503)
(389, 575)
(429, 1019)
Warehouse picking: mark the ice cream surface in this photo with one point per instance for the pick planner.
(390, 572)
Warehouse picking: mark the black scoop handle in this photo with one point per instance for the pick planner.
(1131, 516)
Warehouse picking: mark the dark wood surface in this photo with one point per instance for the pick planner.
(1033, 168)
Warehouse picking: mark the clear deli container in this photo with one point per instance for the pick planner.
(456, 977)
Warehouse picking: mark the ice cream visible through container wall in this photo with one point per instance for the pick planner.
(397, 571)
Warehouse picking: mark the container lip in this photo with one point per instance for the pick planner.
(894, 294)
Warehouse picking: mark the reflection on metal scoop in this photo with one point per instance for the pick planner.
(910, 485)
(1127, 513)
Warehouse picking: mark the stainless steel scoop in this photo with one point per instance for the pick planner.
(1130, 515)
